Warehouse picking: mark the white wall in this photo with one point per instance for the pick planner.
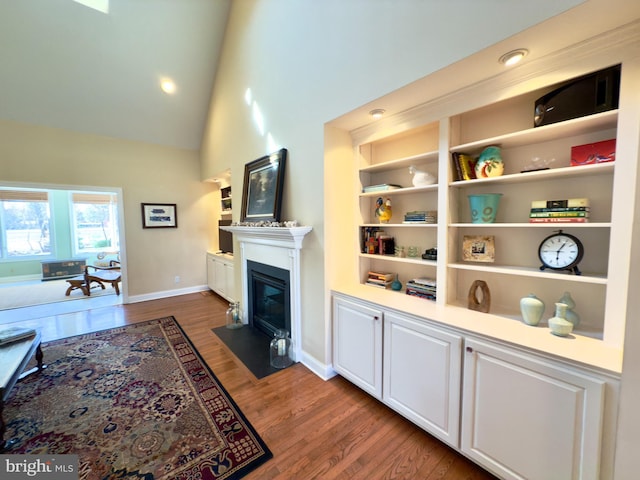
(307, 62)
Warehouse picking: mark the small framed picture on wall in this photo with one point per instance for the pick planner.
(159, 215)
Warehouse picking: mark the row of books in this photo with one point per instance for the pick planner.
(380, 279)
(464, 166)
(422, 287)
(421, 216)
(572, 210)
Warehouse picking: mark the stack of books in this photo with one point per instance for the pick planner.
(572, 210)
(421, 216)
(383, 187)
(14, 334)
(380, 279)
(422, 287)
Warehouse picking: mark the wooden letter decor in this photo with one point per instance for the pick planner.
(479, 305)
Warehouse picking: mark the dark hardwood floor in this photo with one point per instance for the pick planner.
(316, 429)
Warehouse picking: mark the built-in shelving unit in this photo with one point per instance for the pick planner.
(537, 167)
(226, 201)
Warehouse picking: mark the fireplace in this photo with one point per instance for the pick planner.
(269, 300)
(277, 247)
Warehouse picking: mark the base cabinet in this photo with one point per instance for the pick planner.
(220, 275)
(421, 375)
(524, 418)
(518, 414)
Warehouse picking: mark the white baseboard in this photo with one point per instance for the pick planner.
(21, 278)
(322, 370)
(166, 294)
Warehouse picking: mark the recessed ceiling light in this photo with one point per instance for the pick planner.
(513, 57)
(377, 113)
(167, 85)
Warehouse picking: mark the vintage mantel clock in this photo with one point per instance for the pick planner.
(561, 251)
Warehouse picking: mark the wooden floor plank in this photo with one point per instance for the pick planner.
(315, 428)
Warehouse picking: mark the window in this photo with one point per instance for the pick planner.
(94, 222)
(25, 217)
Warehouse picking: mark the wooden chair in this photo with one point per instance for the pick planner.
(102, 275)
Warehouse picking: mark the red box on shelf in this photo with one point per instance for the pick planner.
(592, 153)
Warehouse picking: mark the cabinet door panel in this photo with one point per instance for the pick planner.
(357, 344)
(421, 375)
(524, 418)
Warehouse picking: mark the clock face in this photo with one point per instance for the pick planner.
(560, 251)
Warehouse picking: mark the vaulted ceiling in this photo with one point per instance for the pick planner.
(66, 65)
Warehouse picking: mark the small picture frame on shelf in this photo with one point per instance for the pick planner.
(478, 248)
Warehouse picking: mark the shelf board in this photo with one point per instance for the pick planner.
(393, 258)
(402, 191)
(401, 225)
(533, 225)
(532, 272)
(402, 162)
(538, 175)
(576, 126)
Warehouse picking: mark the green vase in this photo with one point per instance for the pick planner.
(571, 314)
(532, 309)
(559, 324)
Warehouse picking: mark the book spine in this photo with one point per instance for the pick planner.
(570, 202)
(559, 220)
(456, 166)
(558, 214)
(467, 166)
(560, 209)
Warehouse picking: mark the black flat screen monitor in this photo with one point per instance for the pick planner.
(225, 239)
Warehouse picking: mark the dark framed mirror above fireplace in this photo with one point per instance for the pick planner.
(269, 298)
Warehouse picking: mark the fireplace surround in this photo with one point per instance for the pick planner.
(278, 247)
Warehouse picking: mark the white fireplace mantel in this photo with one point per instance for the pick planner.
(287, 237)
(278, 247)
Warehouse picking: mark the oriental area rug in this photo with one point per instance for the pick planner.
(134, 402)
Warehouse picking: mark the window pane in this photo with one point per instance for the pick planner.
(95, 225)
(27, 227)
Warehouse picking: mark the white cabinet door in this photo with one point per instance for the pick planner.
(422, 374)
(220, 281)
(527, 418)
(229, 286)
(211, 271)
(357, 344)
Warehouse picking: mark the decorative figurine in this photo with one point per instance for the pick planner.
(383, 210)
(421, 178)
(489, 163)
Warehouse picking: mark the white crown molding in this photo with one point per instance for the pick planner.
(609, 48)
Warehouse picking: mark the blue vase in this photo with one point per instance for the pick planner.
(396, 284)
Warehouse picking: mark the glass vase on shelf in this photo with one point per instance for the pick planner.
(234, 317)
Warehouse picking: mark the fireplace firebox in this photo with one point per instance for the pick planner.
(269, 305)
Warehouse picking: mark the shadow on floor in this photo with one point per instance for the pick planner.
(250, 346)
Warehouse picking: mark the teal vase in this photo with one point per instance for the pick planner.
(532, 309)
(396, 284)
(484, 207)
